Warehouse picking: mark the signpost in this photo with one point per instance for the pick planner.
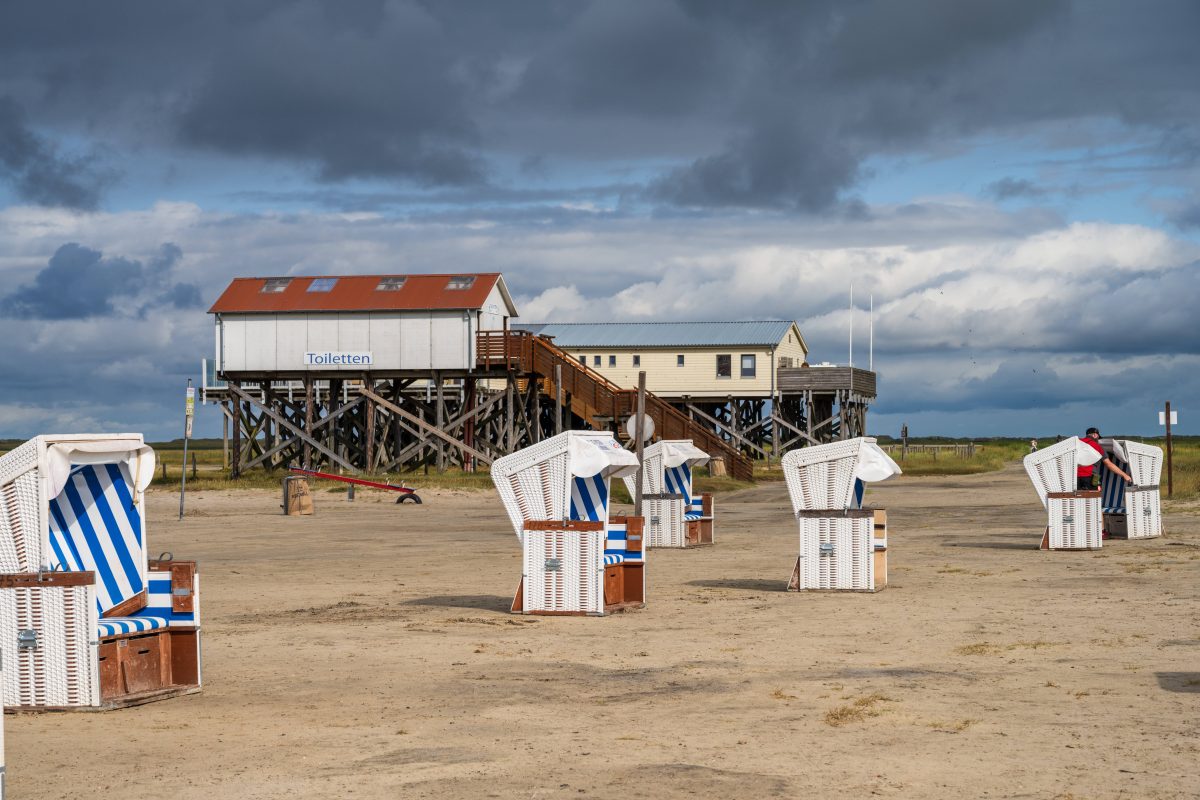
(640, 436)
(1168, 418)
(189, 411)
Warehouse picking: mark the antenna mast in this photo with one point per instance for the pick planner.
(852, 324)
(871, 346)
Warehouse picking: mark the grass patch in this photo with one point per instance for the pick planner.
(977, 649)
(952, 727)
(857, 711)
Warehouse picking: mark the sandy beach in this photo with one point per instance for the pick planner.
(368, 652)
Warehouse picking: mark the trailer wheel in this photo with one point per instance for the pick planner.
(411, 498)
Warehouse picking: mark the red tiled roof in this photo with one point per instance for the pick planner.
(359, 293)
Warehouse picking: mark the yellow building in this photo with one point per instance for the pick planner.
(685, 359)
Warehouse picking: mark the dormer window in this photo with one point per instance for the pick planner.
(460, 282)
(275, 285)
(390, 284)
(322, 284)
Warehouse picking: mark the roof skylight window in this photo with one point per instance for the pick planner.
(390, 284)
(275, 285)
(460, 282)
(322, 284)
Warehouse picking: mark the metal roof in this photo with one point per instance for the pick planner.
(359, 293)
(761, 333)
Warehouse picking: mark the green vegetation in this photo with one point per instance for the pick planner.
(989, 455)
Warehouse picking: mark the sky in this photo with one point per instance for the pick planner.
(1013, 185)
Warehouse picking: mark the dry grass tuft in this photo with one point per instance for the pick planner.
(977, 649)
(857, 711)
(779, 694)
(953, 727)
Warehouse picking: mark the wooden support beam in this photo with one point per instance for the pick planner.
(293, 428)
(291, 442)
(426, 427)
(725, 427)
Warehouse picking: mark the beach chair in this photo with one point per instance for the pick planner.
(843, 546)
(87, 620)
(675, 516)
(576, 560)
(1132, 511)
(1074, 519)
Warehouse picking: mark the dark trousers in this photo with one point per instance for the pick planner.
(1083, 484)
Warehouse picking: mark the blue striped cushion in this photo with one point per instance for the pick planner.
(609, 560)
(692, 516)
(118, 625)
(1112, 489)
(616, 542)
(678, 480)
(95, 526)
(589, 499)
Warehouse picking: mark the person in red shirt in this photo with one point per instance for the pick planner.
(1083, 475)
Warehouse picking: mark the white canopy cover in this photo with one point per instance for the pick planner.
(678, 452)
(874, 464)
(593, 455)
(64, 451)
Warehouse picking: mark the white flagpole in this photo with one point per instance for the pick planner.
(871, 346)
(852, 324)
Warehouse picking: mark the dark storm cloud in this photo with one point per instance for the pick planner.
(38, 172)
(1012, 188)
(718, 105)
(79, 283)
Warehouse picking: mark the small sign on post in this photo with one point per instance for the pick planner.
(1169, 418)
(189, 411)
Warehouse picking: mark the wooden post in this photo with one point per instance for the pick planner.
(309, 400)
(439, 419)
(236, 405)
(224, 439)
(558, 400)
(638, 434)
(370, 412)
(1170, 476)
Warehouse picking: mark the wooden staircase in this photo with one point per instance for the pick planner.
(597, 400)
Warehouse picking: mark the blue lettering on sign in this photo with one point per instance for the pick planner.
(330, 359)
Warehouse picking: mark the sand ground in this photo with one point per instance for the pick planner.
(367, 652)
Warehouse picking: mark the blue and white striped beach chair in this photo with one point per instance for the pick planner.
(1132, 511)
(557, 495)
(102, 624)
(676, 516)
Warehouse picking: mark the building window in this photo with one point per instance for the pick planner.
(725, 366)
(275, 285)
(679, 361)
(637, 361)
(583, 360)
(322, 284)
(595, 361)
(748, 370)
(460, 282)
(612, 361)
(390, 284)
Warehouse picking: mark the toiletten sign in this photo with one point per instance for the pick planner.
(360, 358)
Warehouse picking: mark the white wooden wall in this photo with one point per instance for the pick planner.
(419, 340)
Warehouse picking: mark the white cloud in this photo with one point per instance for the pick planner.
(960, 290)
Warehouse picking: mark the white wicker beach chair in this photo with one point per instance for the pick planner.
(86, 618)
(1074, 519)
(576, 560)
(1132, 511)
(842, 545)
(675, 516)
